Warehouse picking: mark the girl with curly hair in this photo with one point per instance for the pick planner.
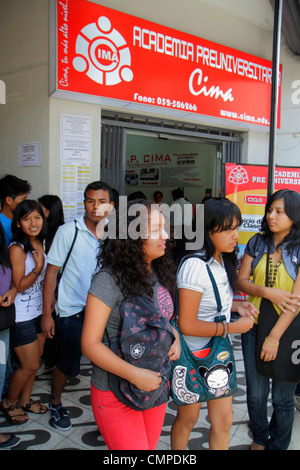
(136, 262)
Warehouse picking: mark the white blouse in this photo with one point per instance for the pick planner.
(193, 275)
(29, 304)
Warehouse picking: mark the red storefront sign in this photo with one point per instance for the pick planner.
(106, 53)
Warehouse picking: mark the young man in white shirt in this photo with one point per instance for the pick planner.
(72, 292)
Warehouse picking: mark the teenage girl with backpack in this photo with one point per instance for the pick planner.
(28, 262)
(197, 310)
(141, 266)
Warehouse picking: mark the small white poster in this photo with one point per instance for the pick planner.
(76, 139)
(29, 154)
(76, 150)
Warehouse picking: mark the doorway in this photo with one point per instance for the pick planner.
(164, 162)
(149, 154)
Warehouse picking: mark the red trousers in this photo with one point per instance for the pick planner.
(123, 428)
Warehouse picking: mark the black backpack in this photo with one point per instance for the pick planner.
(146, 336)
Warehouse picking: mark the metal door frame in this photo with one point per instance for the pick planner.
(114, 128)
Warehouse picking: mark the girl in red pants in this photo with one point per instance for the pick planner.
(133, 266)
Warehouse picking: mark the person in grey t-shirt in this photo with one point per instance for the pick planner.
(138, 267)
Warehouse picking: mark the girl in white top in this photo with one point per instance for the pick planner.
(28, 268)
(197, 309)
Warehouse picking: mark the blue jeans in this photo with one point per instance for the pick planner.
(275, 435)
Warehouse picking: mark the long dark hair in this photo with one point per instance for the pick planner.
(292, 209)
(4, 254)
(125, 257)
(26, 207)
(219, 215)
(56, 217)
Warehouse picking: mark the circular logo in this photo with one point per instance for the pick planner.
(102, 54)
(238, 175)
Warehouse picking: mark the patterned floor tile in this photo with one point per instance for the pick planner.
(39, 434)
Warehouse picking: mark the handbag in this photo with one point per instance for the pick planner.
(7, 317)
(197, 380)
(286, 365)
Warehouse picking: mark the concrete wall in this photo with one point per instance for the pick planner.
(24, 68)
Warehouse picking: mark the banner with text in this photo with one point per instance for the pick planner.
(246, 186)
(107, 53)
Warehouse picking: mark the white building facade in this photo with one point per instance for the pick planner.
(63, 124)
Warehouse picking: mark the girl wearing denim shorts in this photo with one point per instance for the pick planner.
(28, 262)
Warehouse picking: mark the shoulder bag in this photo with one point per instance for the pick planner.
(286, 365)
(197, 380)
(7, 317)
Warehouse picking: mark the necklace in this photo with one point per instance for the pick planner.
(273, 268)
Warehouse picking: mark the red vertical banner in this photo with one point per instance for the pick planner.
(287, 178)
(246, 186)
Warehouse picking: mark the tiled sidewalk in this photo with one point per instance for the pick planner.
(39, 434)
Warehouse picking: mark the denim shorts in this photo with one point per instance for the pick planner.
(25, 332)
(68, 331)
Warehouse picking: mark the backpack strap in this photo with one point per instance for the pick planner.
(216, 291)
(70, 250)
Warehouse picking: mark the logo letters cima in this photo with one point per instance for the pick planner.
(102, 54)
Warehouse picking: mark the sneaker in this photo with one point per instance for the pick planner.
(44, 369)
(11, 442)
(59, 417)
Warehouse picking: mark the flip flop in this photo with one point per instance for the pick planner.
(14, 418)
(42, 408)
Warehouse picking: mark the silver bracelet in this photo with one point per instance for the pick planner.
(225, 332)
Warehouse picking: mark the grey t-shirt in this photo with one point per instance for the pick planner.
(105, 288)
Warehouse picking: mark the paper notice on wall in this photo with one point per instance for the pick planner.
(74, 179)
(76, 138)
(29, 154)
